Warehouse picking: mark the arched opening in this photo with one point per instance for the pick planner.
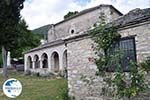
(55, 62)
(37, 62)
(65, 59)
(29, 62)
(65, 64)
(44, 61)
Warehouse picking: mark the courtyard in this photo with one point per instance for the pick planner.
(38, 88)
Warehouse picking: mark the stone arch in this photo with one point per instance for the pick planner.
(44, 59)
(55, 62)
(29, 62)
(65, 59)
(37, 61)
(65, 64)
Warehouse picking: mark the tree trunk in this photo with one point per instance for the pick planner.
(4, 57)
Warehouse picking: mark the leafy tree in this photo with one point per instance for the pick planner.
(69, 14)
(27, 39)
(9, 18)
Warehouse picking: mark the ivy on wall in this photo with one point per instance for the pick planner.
(122, 84)
(104, 36)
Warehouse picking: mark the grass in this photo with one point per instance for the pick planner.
(37, 88)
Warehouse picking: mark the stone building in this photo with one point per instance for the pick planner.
(69, 47)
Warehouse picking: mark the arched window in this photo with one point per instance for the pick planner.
(29, 62)
(37, 62)
(44, 61)
(55, 62)
(65, 64)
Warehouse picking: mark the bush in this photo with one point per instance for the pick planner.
(65, 95)
(146, 64)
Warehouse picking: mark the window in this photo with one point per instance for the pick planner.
(72, 31)
(127, 50)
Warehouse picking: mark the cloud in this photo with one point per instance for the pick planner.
(41, 12)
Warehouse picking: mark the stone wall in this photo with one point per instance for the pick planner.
(81, 68)
(80, 23)
(142, 36)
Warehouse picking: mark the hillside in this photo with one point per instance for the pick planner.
(42, 30)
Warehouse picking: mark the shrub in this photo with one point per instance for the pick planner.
(65, 95)
(146, 64)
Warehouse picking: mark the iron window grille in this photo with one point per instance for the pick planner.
(122, 53)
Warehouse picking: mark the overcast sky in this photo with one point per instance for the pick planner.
(42, 12)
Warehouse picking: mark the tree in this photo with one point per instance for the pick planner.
(69, 14)
(27, 39)
(9, 18)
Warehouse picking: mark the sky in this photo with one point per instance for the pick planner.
(42, 12)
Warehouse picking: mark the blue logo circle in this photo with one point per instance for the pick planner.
(12, 88)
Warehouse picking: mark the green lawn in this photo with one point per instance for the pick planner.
(37, 88)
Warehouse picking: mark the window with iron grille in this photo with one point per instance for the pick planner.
(126, 49)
